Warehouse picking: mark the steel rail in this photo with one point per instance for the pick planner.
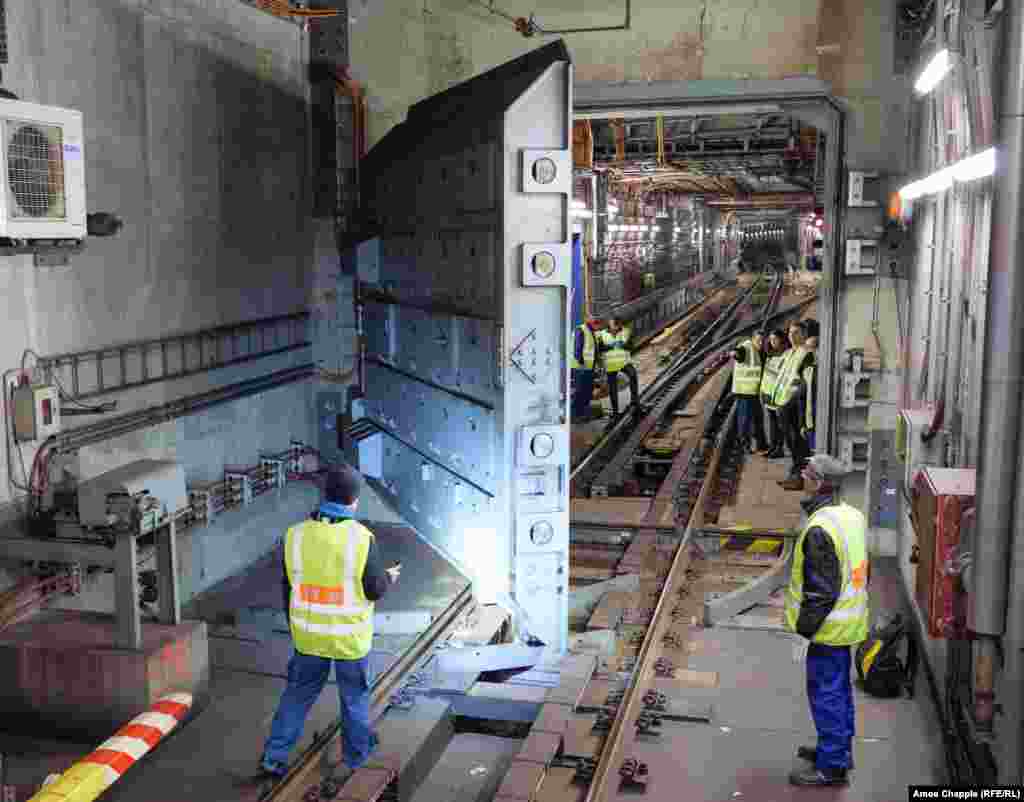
(672, 372)
(653, 390)
(614, 748)
(670, 385)
(305, 773)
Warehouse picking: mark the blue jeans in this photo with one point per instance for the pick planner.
(582, 392)
(830, 693)
(307, 676)
(810, 441)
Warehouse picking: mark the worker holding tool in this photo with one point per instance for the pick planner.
(827, 603)
(333, 575)
(582, 359)
(612, 343)
(769, 379)
(748, 364)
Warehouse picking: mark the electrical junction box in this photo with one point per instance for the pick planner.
(941, 497)
(160, 480)
(36, 412)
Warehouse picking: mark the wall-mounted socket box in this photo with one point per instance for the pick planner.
(36, 411)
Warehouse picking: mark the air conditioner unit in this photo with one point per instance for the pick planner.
(43, 172)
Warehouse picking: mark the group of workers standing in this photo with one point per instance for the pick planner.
(778, 377)
(597, 347)
(827, 597)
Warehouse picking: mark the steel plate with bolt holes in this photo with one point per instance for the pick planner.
(481, 356)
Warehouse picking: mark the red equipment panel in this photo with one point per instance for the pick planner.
(941, 497)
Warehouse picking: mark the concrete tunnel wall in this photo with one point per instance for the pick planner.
(196, 134)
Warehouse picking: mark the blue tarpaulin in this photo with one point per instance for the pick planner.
(578, 289)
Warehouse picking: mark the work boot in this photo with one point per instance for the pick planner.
(819, 777)
(792, 483)
(810, 754)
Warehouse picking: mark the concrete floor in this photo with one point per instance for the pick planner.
(760, 716)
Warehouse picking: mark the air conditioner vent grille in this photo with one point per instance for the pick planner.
(35, 171)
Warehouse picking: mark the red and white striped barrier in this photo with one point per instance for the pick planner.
(95, 773)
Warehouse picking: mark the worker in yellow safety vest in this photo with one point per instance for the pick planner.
(613, 346)
(827, 603)
(747, 367)
(582, 356)
(769, 379)
(788, 400)
(333, 575)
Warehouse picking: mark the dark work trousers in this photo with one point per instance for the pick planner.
(830, 693)
(749, 425)
(759, 438)
(790, 417)
(582, 392)
(613, 387)
(775, 430)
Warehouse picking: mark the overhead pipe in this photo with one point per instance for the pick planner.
(997, 600)
(91, 776)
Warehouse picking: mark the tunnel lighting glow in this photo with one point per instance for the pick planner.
(980, 165)
(818, 222)
(933, 73)
(578, 204)
(581, 214)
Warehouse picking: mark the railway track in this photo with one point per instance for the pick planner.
(701, 476)
(690, 484)
(303, 783)
(600, 471)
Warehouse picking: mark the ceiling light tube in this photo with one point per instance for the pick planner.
(933, 73)
(980, 165)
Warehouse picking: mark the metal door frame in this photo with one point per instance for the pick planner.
(599, 100)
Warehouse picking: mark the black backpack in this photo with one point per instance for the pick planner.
(880, 667)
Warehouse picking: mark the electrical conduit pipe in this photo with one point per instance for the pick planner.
(87, 779)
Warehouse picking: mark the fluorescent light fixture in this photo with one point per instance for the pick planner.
(980, 165)
(578, 204)
(933, 73)
(581, 213)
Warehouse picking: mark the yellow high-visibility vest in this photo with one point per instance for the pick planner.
(847, 624)
(746, 378)
(329, 614)
(617, 356)
(788, 376)
(589, 349)
(772, 367)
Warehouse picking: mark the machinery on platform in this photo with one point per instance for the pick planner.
(147, 491)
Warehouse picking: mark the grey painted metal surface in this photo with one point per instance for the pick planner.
(717, 610)
(1000, 592)
(466, 365)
